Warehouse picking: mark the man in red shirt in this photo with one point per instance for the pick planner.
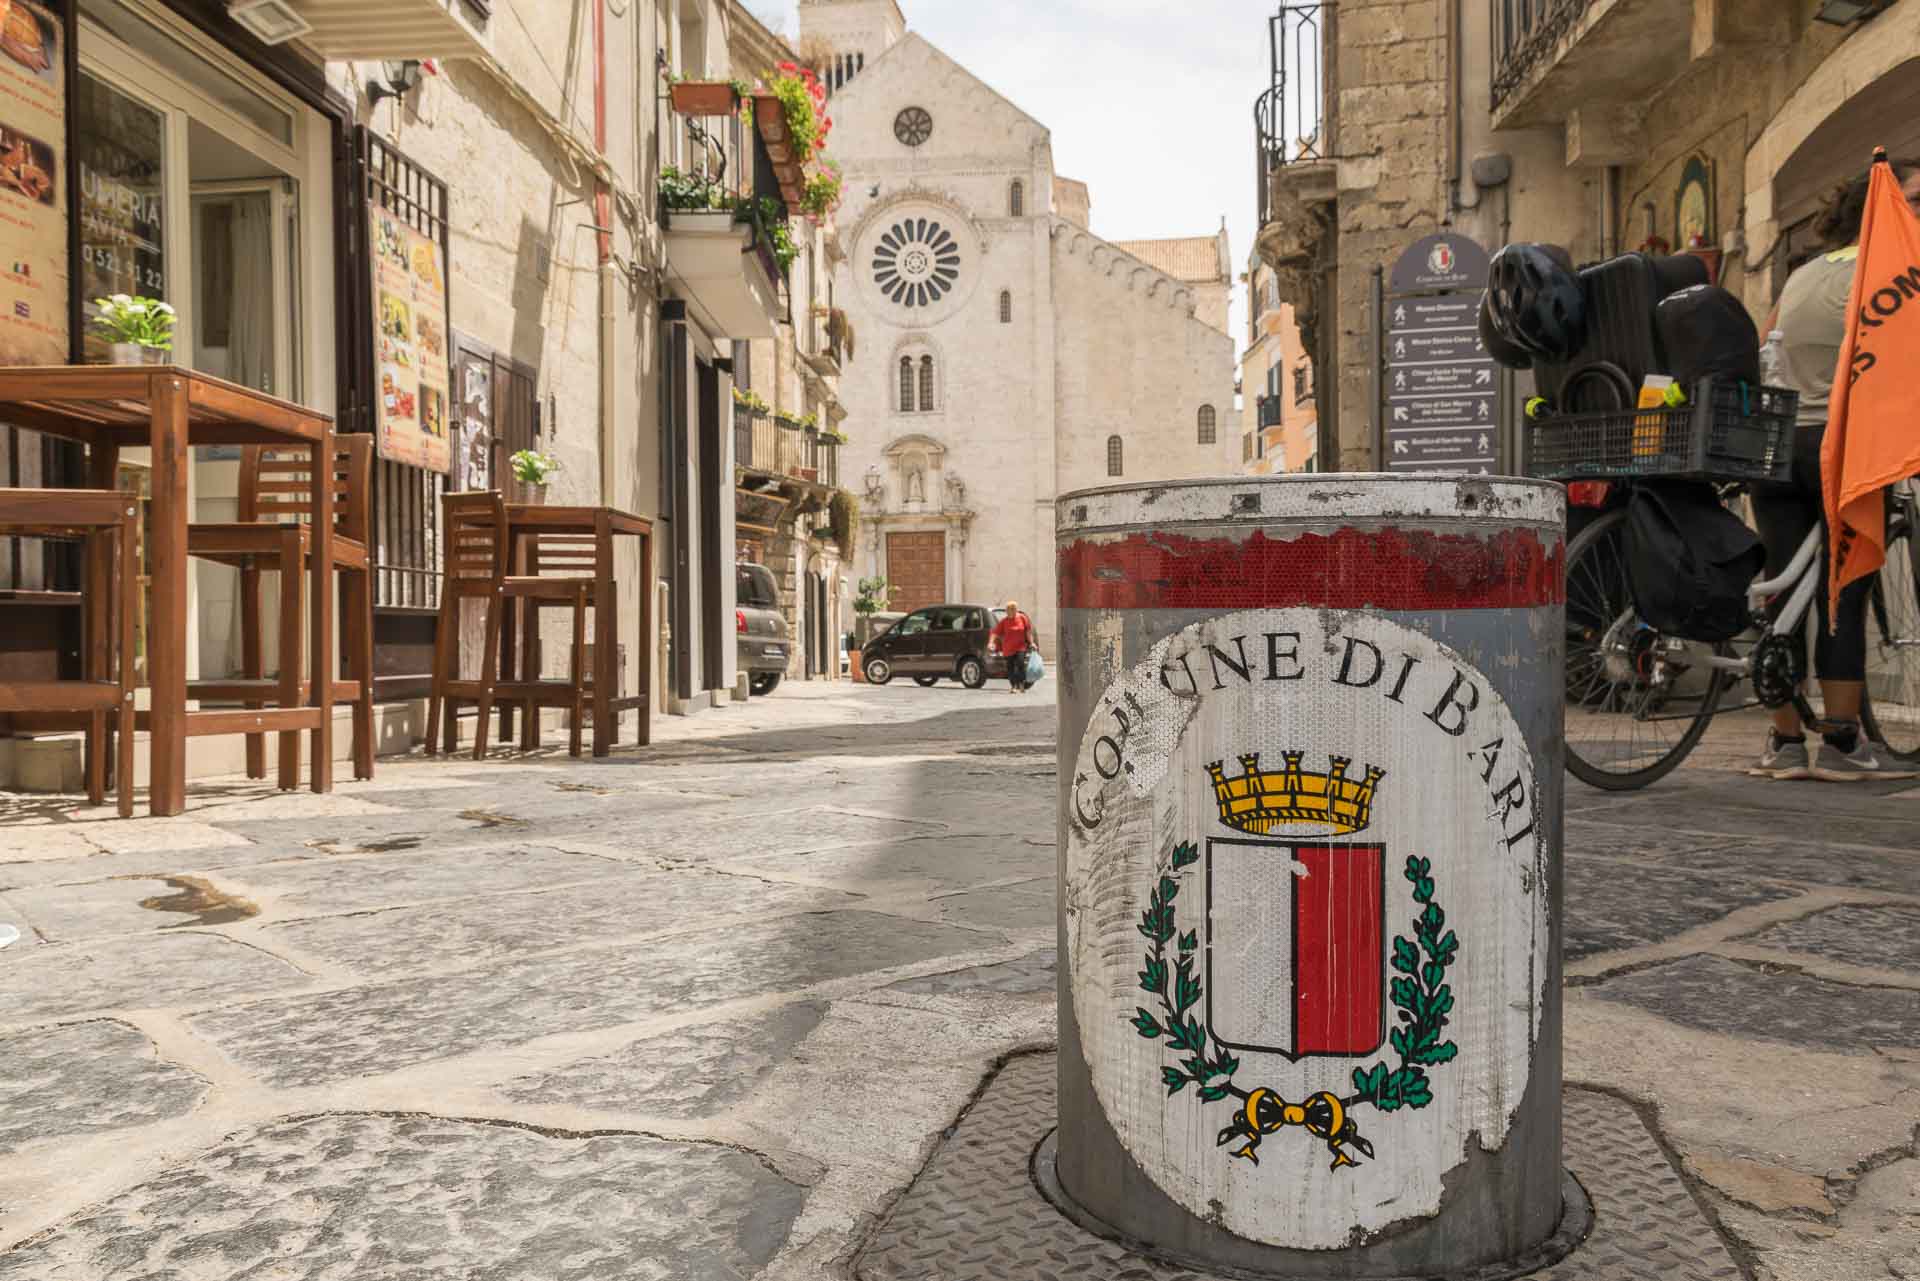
(1013, 637)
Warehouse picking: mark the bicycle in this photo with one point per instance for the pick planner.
(1638, 700)
(1627, 682)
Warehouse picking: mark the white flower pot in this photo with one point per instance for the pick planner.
(128, 353)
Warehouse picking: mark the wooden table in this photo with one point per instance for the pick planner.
(604, 524)
(171, 410)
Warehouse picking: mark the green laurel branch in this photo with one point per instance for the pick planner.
(1178, 990)
(1423, 1000)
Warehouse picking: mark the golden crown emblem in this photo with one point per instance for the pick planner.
(1260, 800)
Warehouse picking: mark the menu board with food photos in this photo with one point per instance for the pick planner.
(410, 344)
(33, 195)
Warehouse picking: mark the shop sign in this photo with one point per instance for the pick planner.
(34, 201)
(410, 344)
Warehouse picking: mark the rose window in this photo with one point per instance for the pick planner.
(916, 262)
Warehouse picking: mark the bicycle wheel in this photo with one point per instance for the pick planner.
(1637, 701)
(1890, 714)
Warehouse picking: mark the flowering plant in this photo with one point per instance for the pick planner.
(147, 322)
(531, 467)
(804, 101)
(822, 195)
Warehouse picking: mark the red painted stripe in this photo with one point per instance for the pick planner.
(1339, 950)
(1350, 569)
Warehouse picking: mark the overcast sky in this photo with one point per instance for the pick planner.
(1150, 101)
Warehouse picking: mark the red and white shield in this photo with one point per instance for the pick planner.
(1296, 947)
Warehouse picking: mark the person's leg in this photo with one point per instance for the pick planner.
(1786, 515)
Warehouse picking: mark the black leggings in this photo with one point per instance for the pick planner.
(1017, 670)
(1785, 514)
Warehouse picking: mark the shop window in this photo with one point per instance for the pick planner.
(1209, 425)
(1115, 458)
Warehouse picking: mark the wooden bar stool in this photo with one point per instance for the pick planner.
(477, 554)
(107, 521)
(273, 535)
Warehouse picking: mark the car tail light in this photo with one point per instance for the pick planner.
(740, 620)
(1588, 493)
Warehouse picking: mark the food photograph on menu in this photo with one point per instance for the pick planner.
(33, 198)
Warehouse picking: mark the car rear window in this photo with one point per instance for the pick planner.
(754, 587)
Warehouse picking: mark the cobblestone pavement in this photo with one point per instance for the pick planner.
(704, 1011)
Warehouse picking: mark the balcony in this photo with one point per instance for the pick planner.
(1268, 411)
(1594, 64)
(1294, 170)
(723, 212)
(827, 344)
(374, 30)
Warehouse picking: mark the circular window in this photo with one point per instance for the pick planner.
(916, 262)
(913, 126)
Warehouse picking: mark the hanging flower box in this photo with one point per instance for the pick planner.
(770, 118)
(704, 97)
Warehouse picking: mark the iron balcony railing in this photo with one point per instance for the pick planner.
(1288, 117)
(1524, 33)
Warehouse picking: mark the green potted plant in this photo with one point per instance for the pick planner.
(786, 420)
(139, 329)
(534, 470)
(870, 597)
(747, 400)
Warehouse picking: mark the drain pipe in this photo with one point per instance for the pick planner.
(603, 239)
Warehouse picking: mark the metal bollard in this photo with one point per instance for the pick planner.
(1310, 851)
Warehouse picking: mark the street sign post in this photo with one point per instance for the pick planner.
(1439, 390)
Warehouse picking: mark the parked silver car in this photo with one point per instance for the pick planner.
(763, 647)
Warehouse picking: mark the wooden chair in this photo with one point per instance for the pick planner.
(107, 520)
(273, 535)
(476, 560)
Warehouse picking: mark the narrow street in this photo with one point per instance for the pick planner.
(706, 1011)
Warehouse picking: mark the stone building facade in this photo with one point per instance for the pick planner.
(1600, 125)
(1279, 426)
(1008, 354)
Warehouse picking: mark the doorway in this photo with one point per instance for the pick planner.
(916, 570)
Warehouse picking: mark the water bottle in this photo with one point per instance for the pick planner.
(1773, 360)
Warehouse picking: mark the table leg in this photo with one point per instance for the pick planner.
(167, 639)
(94, 611)
(324, 665)
(605, 634)
(648, 641)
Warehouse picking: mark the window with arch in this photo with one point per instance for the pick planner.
(906, 384)
(1017, 199)
(1209, 424)
(926, 384)
(1006, 306)
(1115, 457)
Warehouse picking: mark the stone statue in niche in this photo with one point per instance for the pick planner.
(916, 483)
(956, 493)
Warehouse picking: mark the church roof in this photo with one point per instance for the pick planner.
(1193, 259)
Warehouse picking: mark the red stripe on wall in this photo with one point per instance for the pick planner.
(1339, 957)
(1350, 569)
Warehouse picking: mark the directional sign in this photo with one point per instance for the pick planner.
(1441, 393)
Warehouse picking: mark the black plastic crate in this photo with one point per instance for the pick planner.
(1728, 431)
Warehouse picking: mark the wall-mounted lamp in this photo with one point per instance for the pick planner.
(1844, 13)
(396, 80)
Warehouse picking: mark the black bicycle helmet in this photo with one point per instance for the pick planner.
(1502, 351)
(1535, 303)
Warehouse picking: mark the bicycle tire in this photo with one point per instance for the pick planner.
(1597, 599)
(1894, 663)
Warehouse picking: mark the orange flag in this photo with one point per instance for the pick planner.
(1873, 418)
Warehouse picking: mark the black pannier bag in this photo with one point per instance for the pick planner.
(1704, 331)
(1689, 561)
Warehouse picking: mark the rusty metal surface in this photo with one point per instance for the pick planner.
(975, 1214)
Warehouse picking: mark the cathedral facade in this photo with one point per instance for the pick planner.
(1007, 354)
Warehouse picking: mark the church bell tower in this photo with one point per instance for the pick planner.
(839, 37)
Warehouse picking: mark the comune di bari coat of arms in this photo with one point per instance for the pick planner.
(1301, 974)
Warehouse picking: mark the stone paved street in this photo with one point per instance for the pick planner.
(705, 1011)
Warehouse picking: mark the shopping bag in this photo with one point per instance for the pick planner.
(1036, 667)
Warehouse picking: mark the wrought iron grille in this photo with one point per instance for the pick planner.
(406, 499)
(1524, 33)
(1288, 117)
